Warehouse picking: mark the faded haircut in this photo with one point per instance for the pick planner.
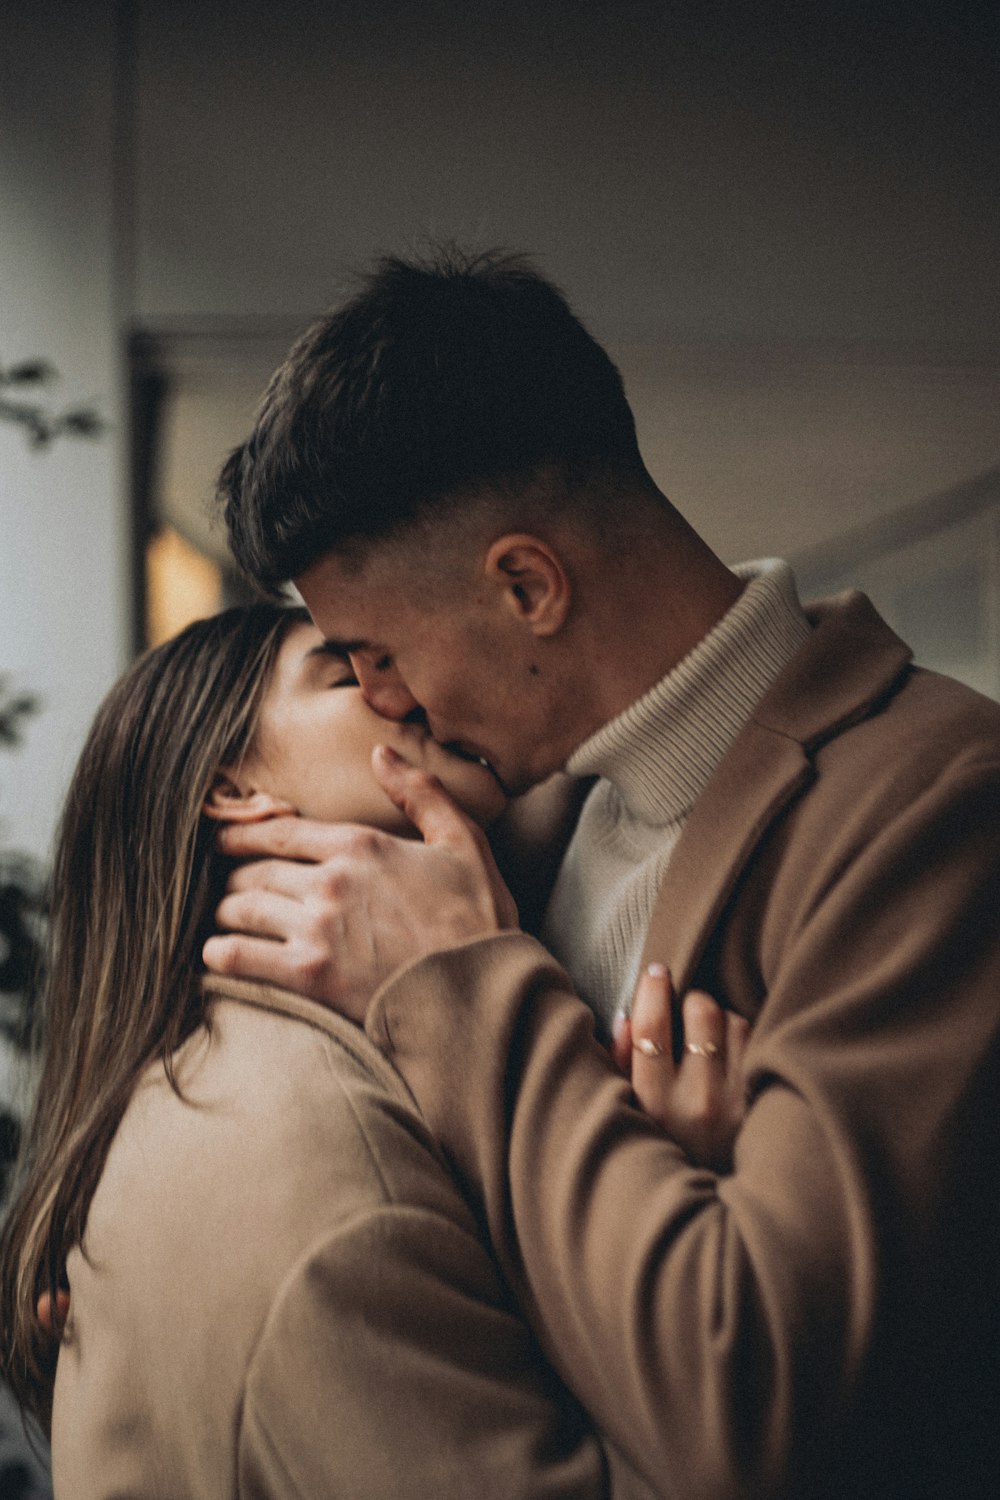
(438, 379)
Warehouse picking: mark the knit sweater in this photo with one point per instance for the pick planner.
(653, 761)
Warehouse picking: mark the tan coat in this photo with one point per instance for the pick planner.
(285, 1295)
(823, 1321)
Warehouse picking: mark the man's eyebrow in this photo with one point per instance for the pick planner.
(340, 649)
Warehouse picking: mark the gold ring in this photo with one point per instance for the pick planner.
(647, 1047)
(702, 1049)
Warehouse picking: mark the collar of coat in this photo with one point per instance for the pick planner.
(851, 662)
(349, 1037)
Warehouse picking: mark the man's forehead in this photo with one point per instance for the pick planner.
(361, 611)
(344, 609)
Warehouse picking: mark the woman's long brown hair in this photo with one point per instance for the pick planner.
(134, 886)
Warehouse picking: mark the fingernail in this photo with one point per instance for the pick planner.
(657, 971)
(389, 755)
(618, 1023)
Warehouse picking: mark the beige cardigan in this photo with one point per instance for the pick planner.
(284, 1294)
(826, 1320)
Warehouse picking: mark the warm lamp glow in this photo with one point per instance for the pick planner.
(181, 585)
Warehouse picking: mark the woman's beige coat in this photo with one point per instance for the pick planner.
(284, 1294)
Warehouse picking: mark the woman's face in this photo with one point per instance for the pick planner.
(315, 739)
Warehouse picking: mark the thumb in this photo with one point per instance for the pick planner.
(621, 1043)
(442, 822)
(422, 798)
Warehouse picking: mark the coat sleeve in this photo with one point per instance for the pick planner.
(391, 1367)
(727, 1332)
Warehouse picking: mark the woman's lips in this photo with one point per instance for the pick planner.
(418, 737)
(464, 752)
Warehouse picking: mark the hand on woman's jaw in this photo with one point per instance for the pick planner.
(330, 910)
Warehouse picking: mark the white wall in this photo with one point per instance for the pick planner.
(63, 573)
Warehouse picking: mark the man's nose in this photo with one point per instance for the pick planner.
(386, 692)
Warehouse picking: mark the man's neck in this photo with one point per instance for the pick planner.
(658, 608)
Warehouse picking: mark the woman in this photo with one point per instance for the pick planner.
(276, 1288)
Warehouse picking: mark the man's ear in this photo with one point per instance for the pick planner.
(227, 802)
(536, 586)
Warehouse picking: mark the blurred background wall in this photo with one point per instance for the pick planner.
(782, 219)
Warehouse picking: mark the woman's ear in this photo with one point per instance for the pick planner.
(535, 583)
(227, 802)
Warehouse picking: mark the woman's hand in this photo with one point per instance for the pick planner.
(700, 1099)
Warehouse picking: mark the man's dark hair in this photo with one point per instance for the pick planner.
(438, 378)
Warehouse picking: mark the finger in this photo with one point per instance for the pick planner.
(424, 800)
(442, 822)
(287, 838)
(704, 1034)
(652, 1059)
(247, 957)
(737, 1036)
(621, 1043)
(285, 877)
(291, 966)
(259, 913)
(651, 1007)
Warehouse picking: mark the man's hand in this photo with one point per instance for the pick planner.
(330, 911)
(700, 1099)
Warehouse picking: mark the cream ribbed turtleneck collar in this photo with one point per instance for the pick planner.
(661, 751)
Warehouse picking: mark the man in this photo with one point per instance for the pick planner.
(786, 813)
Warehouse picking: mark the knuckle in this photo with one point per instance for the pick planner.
(310, 967)
(361, 843)
(315, 925)
(699, 1009)
(280, 835)
(228, 840)
(418, 778)
(329, 880)
(314, 975)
